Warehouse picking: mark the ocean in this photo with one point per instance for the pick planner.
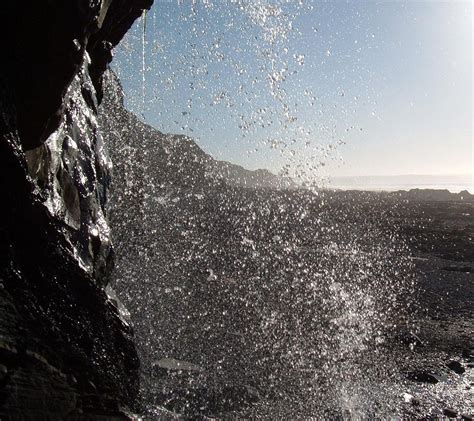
(453, 183)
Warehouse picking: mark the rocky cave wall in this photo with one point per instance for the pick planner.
(64, 349)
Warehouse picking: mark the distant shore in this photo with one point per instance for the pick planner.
(416, 194)
(451, 183)
(454, 189)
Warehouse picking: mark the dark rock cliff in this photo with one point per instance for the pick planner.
(64, 349)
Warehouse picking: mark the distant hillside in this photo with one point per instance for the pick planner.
(168, 158)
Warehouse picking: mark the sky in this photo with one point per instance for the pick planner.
(309, 88)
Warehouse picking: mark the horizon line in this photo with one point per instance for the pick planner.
(402, 175)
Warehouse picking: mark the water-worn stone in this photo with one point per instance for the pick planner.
(456, 366)
(64, 350)
(171, 366)
(410, 399)
(451, 413)
(423, 377)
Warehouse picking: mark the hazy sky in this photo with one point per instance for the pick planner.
(347, 88)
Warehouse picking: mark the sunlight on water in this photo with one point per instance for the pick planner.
(226, 87)
(292, 295)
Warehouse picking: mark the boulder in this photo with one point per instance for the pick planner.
(456, 366)
(171, 366)
(450, 413)
(423, 376)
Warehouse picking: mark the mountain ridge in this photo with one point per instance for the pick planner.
(175, 148)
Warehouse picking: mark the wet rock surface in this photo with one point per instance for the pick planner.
(423, 377)
(187, 390)
(456, 366)
(194, 402)
(44, 44)
(65, 351)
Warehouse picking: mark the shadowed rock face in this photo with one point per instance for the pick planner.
(43, 45)
(64, 349)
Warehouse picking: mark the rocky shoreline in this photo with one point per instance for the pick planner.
(182, 230)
